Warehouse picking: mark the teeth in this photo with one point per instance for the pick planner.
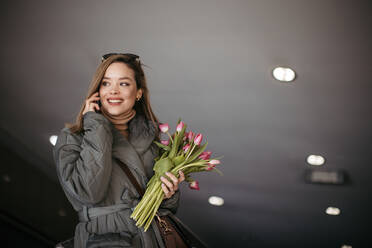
(115, 100)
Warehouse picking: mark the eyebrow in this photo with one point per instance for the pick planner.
(119, 78)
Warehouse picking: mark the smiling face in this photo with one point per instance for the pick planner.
(118, 89)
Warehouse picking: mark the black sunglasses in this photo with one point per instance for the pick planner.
(130, 56)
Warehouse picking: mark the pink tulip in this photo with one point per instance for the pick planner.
(186, 147)
(185, 136)
(214, 161)
(180, 126)
(198, 139)
(190, 135)
(205, 155)
(194, 185)
(164, 127)
(212, 164)
(165, 142)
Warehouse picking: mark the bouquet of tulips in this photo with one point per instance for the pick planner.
(182, 152)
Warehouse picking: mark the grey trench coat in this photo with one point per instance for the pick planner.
(97, 187)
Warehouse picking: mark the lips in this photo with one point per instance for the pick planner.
(114, 101)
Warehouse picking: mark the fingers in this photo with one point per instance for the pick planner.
(90, 104)
(93, 97)
(174, 180)
(182, 176)
(169, 187)
(167, 183)
(167, 193)
(96, 106)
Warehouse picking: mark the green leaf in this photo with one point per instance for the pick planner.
(167, 148)
(176, 142)
(197, 153)
(178, 160)
(163, 166)
(165, 154)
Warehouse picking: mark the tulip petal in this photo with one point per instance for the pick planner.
(190, 135)
(198, 139)
(194, 185)
(186, 147)
(215, 161)
(179, 126)
(164, 127)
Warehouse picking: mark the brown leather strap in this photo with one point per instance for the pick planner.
(169, 233)
(126, 170)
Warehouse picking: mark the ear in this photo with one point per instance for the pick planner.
(139, 93)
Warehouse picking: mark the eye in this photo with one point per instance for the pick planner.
(104, 83)
(124, 83)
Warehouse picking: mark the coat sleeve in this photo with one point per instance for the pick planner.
(84, 165)
(172, 203)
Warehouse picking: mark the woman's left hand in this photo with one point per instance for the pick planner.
(170, 187)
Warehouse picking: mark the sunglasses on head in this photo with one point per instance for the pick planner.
(130, 56)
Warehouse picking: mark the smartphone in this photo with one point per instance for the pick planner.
(100, 106)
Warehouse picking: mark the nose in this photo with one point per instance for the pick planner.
(114, 89)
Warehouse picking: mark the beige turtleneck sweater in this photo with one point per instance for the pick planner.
(121, 121)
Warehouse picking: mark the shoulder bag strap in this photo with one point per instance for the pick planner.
(126, 170)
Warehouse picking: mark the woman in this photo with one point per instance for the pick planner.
(115, 122)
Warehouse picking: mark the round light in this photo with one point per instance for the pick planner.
(284, 74)
(333, 211)
(316, 160)
(216, 201)
(53, 139)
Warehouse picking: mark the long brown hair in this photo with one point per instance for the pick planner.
(142, 106)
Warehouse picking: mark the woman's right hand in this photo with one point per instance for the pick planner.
(90, 104)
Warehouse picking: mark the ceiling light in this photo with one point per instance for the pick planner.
(325, 176)
(284, 74)
(216, 201)
(333, 211)
(53, 139)
(346, 246)
(316, 160)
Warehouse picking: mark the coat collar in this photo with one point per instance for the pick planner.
(130, 151)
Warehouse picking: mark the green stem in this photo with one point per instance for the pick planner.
(175, 170)
(170, 136)
(147, 214)
(154, 208)
(147, 208)
(188, 155)
(153, 214)
(218, 171)
(144, 200)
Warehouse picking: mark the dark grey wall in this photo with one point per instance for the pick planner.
(210, 63)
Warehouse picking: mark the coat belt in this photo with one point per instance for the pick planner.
(88, 213)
